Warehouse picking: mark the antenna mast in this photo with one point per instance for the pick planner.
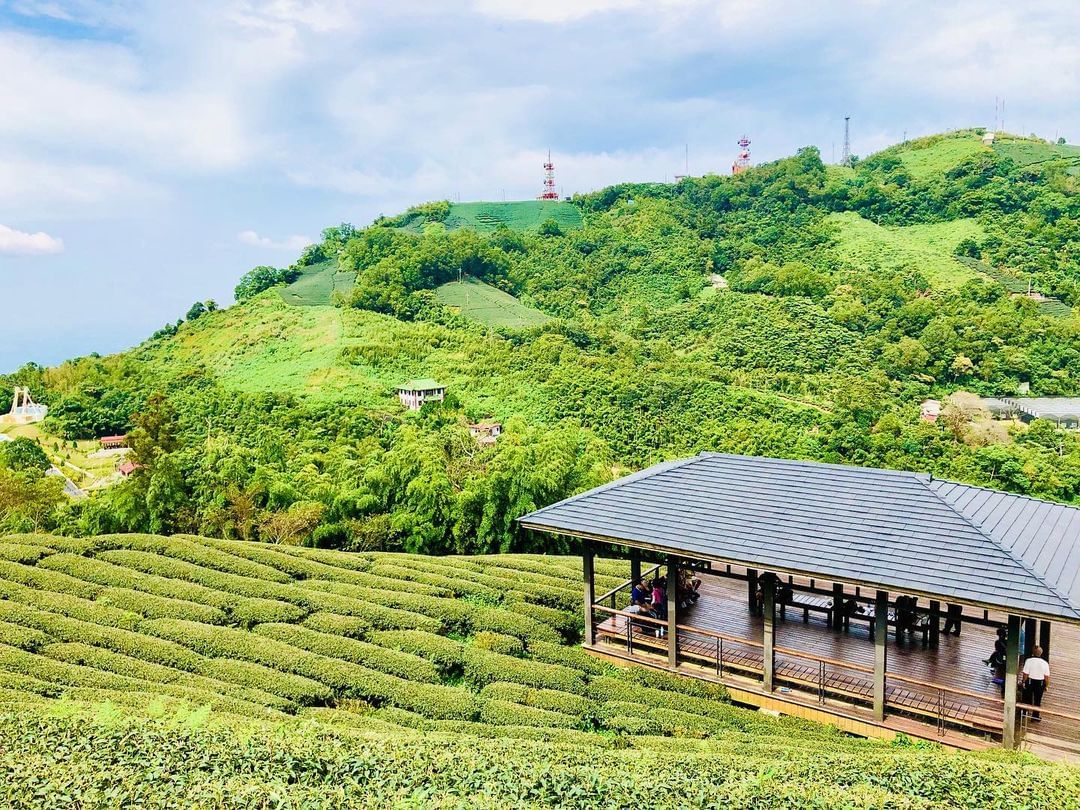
(742, 162)
(845, 157)
(549, 192)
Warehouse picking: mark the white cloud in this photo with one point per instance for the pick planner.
(20, 243)
(252, 238)
(561, 11)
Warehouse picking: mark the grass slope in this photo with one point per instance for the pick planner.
(1027, 152)
(522, 215)
(315, 678)
(490, 306)
(927, 248)
(317, 285)
(932, 157)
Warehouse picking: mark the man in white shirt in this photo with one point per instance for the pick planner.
(1036, 679)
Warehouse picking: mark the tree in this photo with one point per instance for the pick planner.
(23, 455)
(294, 524)
(261, 278)
(197, 310)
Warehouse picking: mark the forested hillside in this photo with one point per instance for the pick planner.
(795, 310)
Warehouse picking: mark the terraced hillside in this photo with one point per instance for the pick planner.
(360, 679)
(521, 215)
(489, 305)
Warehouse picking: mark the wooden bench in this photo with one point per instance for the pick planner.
(807, 602)
(866, 614)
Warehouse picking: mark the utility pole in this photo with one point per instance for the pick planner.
(845, 156)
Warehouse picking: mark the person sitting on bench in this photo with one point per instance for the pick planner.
(638, 594)
(850, 608)
(648, 627)
(784, 597)
(953, 617)
(659, 597)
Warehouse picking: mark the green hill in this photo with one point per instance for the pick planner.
(245, 671)
(1031, 152)
(519, 216)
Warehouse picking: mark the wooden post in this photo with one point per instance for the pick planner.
(768, 636)
(1012, 662)
(881, 638)
(1044, 638)
(751, 589)
(837, 606)
(1030, 629)
(587, 553)
(635, 566)
(935, 622)
(672, 610)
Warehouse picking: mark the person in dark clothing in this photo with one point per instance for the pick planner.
(996, 661)
(784, 596)
(638, 594)
(953, 618)
(850, 608)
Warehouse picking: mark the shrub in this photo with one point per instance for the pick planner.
(445, 653)
(566, 624)
(503, 713)
(106, 573)
(46, 580)
(28, 683)
(68, 605)
(118, 640)
(615, 689)
(573, 657)
(437, 580)
(25, 638)
(198, 552)
(22, 552)
(251, 611)
(350, 626)
(294, 688)
(658, 679)
(59, 672)
(499, 620)
(171, 568)
(631, 725)
(549, 699)
(498, 642)
(391, 662)
(400, 717)
(156, 607)
(483, 667)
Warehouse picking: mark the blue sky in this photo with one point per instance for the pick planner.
(150, 153)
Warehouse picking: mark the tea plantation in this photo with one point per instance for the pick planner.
(139, 669)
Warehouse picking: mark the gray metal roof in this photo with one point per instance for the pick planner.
(903, 531)
(1048, 407)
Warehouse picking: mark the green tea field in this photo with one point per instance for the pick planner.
(189, 671)
(489, 305)
(521, 215)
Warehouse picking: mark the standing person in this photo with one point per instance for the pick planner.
(1036, 680)
(953, 617)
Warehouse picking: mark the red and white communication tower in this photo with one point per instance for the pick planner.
(742, 162)
(549, 181)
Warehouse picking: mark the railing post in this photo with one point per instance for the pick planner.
(751, 590)
(881, 638)
(1012, 661)
(1030, 629)
(836, 618)
(672, 610)
(821, 682)
(719, 657)
(587, 554)
(768, 635)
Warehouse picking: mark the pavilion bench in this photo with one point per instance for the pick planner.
(807, 602)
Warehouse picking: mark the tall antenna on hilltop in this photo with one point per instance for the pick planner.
(742, 162)
(549, 192)
(845, 156)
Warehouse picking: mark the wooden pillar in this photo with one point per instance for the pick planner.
(751, 589)
(1030, 629)
(587, 553)
(672, 611)
(768, 636)
(881, 638)
(837, 606)
(635, 566)
(1012, 664)
(935, 622)
(1044, 638)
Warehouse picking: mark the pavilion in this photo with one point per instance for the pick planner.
(840, 544)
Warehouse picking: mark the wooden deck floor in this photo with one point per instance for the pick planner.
(956, 663)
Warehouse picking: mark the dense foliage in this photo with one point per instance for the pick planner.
(794, 310)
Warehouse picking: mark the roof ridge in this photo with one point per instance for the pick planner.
(1007, 552)
(620, 482)
(807, 462)
(1018, 495)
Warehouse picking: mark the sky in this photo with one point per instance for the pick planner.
(153, 152)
